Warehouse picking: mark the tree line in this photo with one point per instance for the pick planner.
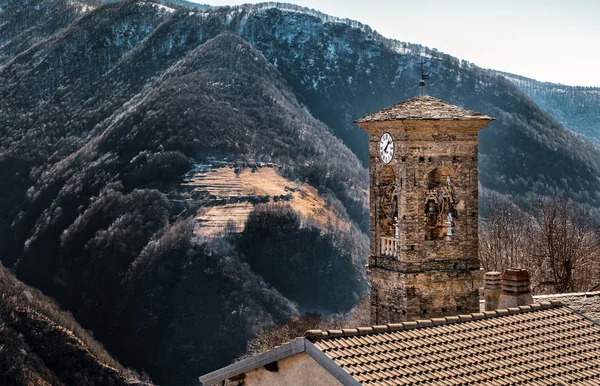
(557, 242)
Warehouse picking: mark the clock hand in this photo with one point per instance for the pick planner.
(386, 146)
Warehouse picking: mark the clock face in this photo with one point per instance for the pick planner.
(386, 148)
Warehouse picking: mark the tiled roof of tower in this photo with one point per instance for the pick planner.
(541, 344)
(424, 108)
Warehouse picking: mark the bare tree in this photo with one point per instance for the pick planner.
(358, 316)
(565, 246)
(504, 237)
(558, 245)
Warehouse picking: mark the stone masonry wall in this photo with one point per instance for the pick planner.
(427, 278)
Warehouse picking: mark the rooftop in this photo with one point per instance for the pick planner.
(423, 108)
(541, 344)
(587, 303)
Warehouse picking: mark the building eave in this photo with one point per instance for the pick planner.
(287, 350)
(284, 351)
(329, 365)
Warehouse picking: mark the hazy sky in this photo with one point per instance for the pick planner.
(549, 40)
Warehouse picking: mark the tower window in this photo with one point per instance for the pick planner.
(387, 202)
(439, 205)
(421, 159)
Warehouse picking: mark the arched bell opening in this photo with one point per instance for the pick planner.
(388, 211)
(388, 201)
(440, 205)
(439, 176)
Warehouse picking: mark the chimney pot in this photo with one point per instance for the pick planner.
(516, 289)
(492, 289)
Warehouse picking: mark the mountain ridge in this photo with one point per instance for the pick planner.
(568, 118)
(575, 107)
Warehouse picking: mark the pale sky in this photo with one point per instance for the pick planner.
(548, 40)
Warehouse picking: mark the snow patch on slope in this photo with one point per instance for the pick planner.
(161, 7)
(81, 7)
(164, 8)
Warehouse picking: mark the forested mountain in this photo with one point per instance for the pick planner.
(92, 153)
(577, 108)
(35, 20)
(43, 345)
(110, 113)
(182, 3)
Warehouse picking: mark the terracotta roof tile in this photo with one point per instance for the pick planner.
(587, 303)
(423, 108)
(534, 345)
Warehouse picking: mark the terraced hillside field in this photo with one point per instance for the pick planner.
(229, 193)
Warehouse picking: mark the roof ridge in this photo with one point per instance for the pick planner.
(424, 107)
(392, 327)
(570, 294)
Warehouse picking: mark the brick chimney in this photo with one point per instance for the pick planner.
(492, 289)
(515, 289)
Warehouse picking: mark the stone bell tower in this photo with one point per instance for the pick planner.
(423, 259)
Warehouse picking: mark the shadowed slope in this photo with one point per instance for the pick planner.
(101, 234)
(41, 344)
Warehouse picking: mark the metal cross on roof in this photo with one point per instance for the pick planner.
(424, 76)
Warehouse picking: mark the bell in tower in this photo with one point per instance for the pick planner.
(423, 259)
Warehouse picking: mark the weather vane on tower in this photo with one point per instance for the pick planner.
(424, 76)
